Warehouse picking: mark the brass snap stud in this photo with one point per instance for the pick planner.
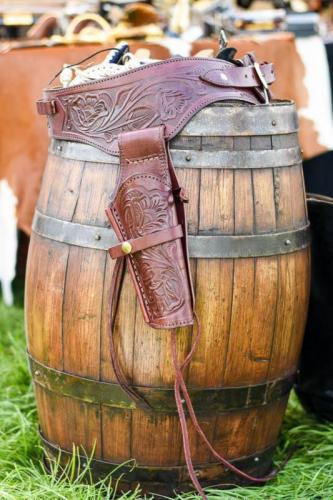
(126, 247)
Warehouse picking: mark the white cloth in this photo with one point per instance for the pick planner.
(8, 240)
(317, 81)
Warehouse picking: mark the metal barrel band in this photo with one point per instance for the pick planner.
(257, 463)
(225, 119)
(206, 246)
(80, 151)
(219, 400)
(188, 158)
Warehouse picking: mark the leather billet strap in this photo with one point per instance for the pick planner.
(147, 215)
(148, 241)
(165, 93)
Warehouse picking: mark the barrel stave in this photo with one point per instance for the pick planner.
(66, 421)
(244, 429)
(244, 360)
(214, 302)
(292, 300)
(263, 201)
(61, 189)
(45, 288)
(82, 311)
(96, 185)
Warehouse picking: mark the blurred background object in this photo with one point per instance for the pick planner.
(17, 18)
(315, 378)
(26, 65)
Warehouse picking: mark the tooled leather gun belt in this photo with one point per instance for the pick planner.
(135, 114)
(168, 92)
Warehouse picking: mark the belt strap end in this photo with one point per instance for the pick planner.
(46, 107)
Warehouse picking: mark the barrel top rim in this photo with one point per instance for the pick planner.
(274, 102)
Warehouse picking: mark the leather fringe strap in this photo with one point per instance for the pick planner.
(115, 288)
(181, 390)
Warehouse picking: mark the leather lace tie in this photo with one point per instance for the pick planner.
(180, 390)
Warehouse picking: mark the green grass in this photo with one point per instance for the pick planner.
(308, 474)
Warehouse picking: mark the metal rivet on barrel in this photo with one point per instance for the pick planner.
(273, 123)
(97, 237)
(188, 158)
(287, 242)
(126, 247)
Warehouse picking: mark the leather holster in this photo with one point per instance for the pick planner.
(147, 214)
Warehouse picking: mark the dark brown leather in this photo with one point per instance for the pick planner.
(115, 290)
(165, 93)
(239, 76)
(144, 202)
(23, 134)
(44, 27)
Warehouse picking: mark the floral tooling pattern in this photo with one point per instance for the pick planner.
(161, 278)
(129, 107)
(87, 112)
(145, 211)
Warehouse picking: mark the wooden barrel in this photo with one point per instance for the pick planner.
(249, 247)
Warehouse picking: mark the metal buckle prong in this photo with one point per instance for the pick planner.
(262, 80)
(260, 75)
(223, 40)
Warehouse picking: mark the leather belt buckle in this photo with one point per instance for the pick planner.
(260, 75)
